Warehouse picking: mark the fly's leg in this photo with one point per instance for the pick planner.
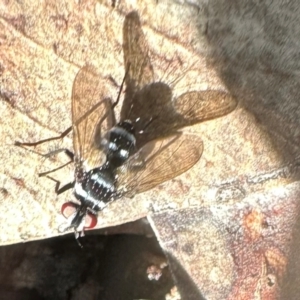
(61, 136)
(68, 186)
(66, 151)
(121, 87)
(61, 190)
(114, 104)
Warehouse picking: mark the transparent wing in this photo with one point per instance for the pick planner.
(169, 116)
(152, 107)
(159, 161)
(135, 50)
(195, 107)
(151, 103)
(91, 115)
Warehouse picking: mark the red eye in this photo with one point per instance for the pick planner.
(90, 220)
(68, 209)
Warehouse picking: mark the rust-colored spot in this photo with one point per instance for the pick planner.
(209, 164)
(253, 224)
(19, 182)
(18, 22)
(61, 23)
(276, 262)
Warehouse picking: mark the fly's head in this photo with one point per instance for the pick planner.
(78, 218)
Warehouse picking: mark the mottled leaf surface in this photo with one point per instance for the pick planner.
(230, 225)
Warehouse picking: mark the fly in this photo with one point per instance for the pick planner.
(144, 148)
(107, 163)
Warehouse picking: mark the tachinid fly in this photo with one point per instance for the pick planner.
(144, 148)
(107, 163)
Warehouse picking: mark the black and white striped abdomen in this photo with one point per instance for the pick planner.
(97, 188)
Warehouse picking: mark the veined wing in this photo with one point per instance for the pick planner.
(168, 116)
(135, 50)
(159, 161)
(91, 114)
(152, 107)
(195, 107)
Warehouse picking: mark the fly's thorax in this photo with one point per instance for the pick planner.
(127, 125)
(119, 143)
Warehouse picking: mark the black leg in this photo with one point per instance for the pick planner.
(62, 135)
(121, 87)
(114, 104)
(69, 153)
(66, 187)
(66, 151)
(54, 170)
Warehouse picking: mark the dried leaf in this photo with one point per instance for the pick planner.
(230, 224)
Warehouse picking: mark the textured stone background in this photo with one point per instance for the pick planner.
(230, 225)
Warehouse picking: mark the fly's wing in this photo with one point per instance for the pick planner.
(91, 114)
(159, 161)
(153, 104)
(195, 107)
(135, 50)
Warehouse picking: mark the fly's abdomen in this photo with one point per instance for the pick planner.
(97, 188)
